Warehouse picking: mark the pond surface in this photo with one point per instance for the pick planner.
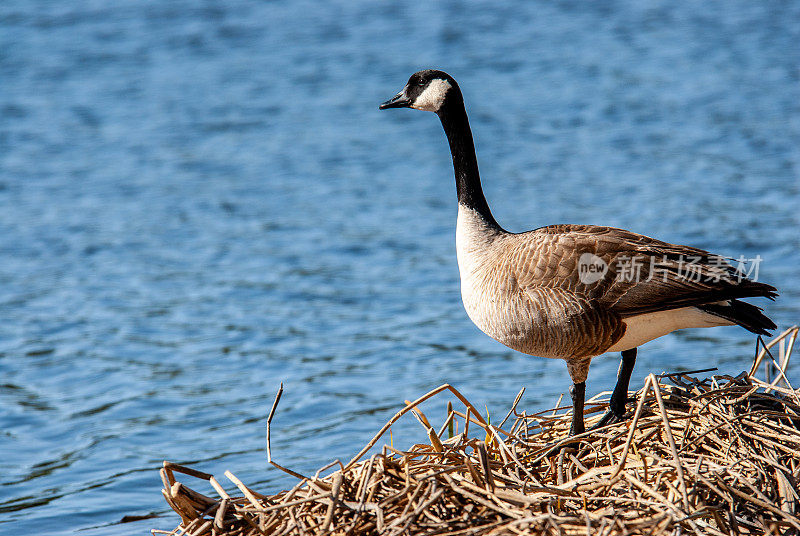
(200, 200)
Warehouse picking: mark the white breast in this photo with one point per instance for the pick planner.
(482, 288)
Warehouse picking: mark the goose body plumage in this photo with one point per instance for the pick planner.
(525, 290)
(576, 291)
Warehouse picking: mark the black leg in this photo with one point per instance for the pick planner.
(578, 394)
(616, 407)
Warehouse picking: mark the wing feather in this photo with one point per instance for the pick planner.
(642, 275)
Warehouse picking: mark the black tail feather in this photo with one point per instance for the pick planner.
(743, 314)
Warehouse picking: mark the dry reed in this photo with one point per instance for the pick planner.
(699, 456)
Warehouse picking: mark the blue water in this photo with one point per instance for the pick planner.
(199, 200)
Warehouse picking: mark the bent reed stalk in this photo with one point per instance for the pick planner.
(718, 455)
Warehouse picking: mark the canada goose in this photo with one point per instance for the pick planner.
(575, 291)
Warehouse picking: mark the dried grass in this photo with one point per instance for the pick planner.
(700, 456)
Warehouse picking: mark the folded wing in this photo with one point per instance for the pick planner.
(629, 274)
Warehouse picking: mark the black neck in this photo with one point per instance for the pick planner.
(465, 164)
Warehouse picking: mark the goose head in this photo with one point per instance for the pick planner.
(427, 90)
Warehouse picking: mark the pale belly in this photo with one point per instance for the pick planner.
(547, 332)
(643, 328)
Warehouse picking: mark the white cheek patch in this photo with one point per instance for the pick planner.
(432, 98)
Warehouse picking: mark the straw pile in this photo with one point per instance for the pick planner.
(699, 456)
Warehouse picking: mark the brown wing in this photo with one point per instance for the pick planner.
(641, 274)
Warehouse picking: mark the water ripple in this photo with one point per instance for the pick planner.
(198, 202)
